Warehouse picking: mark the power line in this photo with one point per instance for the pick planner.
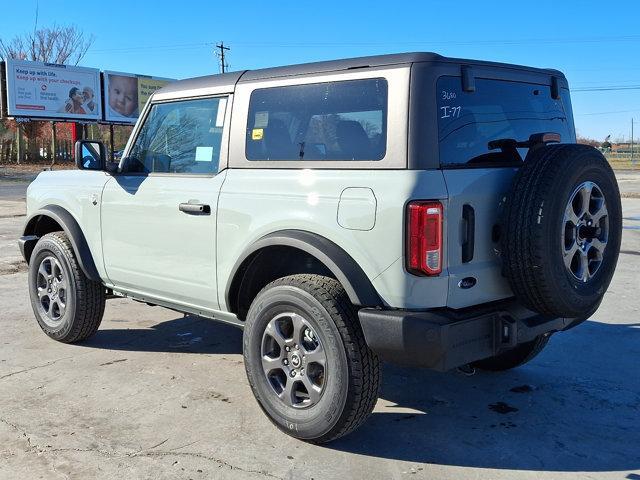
(622, 83)
(606, 113)
(612, 88)
(151, 47)
(425, 43)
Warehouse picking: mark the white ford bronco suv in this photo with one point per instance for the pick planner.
(424, 210)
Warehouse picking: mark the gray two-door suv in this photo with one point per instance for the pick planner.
(426, 210)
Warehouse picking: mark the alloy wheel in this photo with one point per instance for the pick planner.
(585, 232)
(51, 286)
(294, 361)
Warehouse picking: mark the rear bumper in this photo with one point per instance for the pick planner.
(444, 339)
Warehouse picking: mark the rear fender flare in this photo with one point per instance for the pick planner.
(345, 269)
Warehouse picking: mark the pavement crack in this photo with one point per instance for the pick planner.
(104, 453)
(154, 446)
(33, 368)
(19, 430)
(112, 362)
(204, 457)
(170, 453)
(183, 446)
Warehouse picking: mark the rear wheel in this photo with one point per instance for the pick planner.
(306, 358)
(515, 357)
(67, 305)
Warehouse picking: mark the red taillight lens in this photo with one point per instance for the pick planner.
(424, 238)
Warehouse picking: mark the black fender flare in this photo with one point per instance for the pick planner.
(70, 226)
(346, 270)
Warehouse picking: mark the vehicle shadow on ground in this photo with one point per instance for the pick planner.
(576, 407)
(189, 334)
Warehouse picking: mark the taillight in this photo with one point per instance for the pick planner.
(424, 238)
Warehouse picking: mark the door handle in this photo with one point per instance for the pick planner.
(195, 208)
(469, 218)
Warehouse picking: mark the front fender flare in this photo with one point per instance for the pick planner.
(355, 282)
(70, 226)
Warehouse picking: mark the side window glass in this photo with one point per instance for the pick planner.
(182, 137)
(344, 120)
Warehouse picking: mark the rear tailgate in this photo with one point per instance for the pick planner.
(478, 176)
(472, 218)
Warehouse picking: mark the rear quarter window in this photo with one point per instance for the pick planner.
(345, 120)
(468, 121)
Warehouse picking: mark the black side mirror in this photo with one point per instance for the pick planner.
(90, 155)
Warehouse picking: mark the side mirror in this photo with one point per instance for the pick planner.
(90, 155)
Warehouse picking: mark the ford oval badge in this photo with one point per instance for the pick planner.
(467, 282)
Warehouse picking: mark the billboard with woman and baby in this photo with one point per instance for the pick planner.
(37, 89)
(125, 94)
(63, 92)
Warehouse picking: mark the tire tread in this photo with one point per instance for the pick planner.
(364, 365)
(90, 295)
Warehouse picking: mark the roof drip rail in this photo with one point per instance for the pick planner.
(468, 80)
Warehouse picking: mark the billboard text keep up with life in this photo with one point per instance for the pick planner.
(36, 89)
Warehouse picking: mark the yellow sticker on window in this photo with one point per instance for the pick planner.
(257, 134)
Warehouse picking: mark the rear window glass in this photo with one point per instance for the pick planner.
(468, 121)
(324, 121)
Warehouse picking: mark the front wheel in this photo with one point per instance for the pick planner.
(67, 305)
(306, 358)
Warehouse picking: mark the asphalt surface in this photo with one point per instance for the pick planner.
(155, 394)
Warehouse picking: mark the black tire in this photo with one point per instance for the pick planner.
(521, 354)
(84, 299)
(533, 228)
(352, 378)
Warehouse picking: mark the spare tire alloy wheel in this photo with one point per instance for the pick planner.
(562, 228)
(586, 231)
(293, 360)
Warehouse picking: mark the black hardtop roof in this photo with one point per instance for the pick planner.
(338, 65)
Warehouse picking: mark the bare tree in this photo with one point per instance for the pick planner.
(61, 45)
(57, 44)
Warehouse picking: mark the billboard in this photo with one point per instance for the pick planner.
(46, 90)
(125, 94)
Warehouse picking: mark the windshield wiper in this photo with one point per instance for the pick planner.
(510, 145)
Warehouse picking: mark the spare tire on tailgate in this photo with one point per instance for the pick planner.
(561, 230)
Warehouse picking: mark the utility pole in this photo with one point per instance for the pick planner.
(18, 143)
(222, 48)
(54, 144)
(632, 159)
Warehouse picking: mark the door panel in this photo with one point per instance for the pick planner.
(151, 246)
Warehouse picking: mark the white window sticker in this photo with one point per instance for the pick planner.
(204, 154)
(222, 107)
(262, 120)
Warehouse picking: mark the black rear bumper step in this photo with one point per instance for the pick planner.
(441, 340)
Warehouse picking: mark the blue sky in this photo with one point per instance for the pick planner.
(596, 44)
